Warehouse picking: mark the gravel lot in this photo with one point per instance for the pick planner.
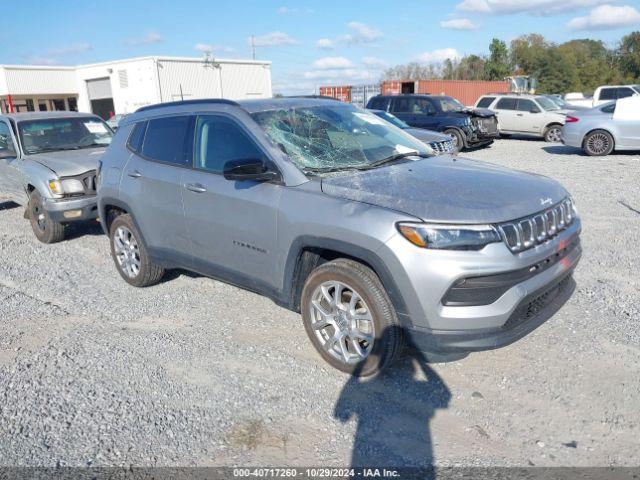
(196, 372)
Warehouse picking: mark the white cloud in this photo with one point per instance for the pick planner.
(149, 39)
(360, 33)
(438, 56)
(332, 63)
(373, 62)
(273, 39)
(533, 7)
(208, 48)
(607, 17)
(55, 56)
(459, 24)
(325, 44)
(295, 11)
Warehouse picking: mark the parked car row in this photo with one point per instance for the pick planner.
(323, 207)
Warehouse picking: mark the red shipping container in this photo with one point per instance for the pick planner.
(342, 93)
(466, 91)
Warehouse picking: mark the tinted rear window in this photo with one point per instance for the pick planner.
(377, 103)
(506, 104)
(608, 94)
(170, 140)
(485, 102)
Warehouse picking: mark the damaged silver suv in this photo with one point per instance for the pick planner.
(347, 219)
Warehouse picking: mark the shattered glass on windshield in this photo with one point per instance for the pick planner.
(328, 138)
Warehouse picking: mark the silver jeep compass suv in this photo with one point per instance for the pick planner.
(333, 213)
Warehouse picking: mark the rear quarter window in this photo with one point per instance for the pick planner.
(137, 137)
(485, 102)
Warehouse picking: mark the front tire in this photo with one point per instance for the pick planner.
(130, 254)
(45, 229)
(553, 134)
(458, 139)
(598, 143)
(350, 319)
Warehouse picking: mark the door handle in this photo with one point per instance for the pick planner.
(134, 174)
(519, 114)
(195, 187)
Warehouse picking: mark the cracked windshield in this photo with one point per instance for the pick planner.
(63, 134)
(328, 139)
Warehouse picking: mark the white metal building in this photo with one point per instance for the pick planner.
(124, 86)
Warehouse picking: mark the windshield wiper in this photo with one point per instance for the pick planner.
(393, 158)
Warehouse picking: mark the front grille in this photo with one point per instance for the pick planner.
(446, 146)
(487, 125)
(530, 308)
(530, 231)
(88, 180)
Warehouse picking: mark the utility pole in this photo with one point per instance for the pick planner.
(253, 47)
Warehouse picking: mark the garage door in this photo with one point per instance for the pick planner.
(101, 97)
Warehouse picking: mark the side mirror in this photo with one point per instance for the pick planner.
(534, 110)
(249, 169)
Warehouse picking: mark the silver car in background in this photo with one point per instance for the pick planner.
(439, 142)
(601, 130)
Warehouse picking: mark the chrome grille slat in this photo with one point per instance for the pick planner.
(535, 229)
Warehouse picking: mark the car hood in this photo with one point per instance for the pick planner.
(427, 136)
(477, 112)
(68, 163)
(449, 190)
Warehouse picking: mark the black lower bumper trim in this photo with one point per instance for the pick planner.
(533, 311)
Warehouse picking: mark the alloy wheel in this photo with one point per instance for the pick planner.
(38, 214)
(598, 143)
(342, 322)
(554, 135)
(127, 251)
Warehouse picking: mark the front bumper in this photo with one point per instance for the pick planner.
(71, 209)
(533, 311)
(425, 278)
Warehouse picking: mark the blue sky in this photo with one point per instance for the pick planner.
(309, 42)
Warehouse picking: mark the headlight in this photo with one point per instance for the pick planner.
(449, 237)
(72, 186)
(55, 186)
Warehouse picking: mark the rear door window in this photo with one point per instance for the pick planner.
(170, 140)
(506, 104)
(486, 102)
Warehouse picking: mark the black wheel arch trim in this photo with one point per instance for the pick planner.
(292, 289)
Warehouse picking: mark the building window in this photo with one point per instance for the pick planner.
(42, 106)
(58, 104)
(30, 107)
(73, 104)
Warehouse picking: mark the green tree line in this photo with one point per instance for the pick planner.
(575, 66)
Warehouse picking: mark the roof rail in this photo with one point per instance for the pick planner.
(188, 102)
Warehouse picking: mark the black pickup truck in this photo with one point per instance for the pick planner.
(469, 127)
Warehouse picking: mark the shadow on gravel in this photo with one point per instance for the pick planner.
(562, 150)
(8, 205)
(81, 229)
(393, 412)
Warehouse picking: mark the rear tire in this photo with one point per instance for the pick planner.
(359, 333)
(130, 254)
(457, 137)
(45, 229)
(553, 134)
(598, 143)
